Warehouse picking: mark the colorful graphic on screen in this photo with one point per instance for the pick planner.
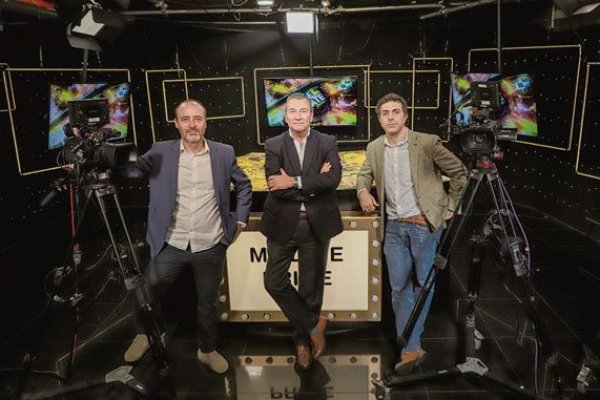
(461, 94)
(117, 96)
(517, 109)
(333, 99)
(520, 110)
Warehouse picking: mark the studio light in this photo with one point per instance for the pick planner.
(101, 24)
(575, 14)
(574, 7)
(300, 22)
(264, 3)
(89, 26)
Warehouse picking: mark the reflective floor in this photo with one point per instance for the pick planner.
(261, 357)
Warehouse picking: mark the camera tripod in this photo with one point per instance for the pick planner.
(502, 227)
(134, 284)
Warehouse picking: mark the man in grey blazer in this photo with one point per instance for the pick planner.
(190, 222)
(407, 166)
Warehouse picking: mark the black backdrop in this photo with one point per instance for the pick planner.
(539, 179)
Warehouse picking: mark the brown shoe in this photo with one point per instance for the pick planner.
(317, 337)
(303, 357)
(408, 361)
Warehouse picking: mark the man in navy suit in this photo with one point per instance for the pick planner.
(189, 220)
(301, 213)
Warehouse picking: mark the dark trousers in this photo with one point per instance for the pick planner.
(301, 306)
(207, 269)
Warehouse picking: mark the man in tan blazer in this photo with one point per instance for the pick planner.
(407, 167)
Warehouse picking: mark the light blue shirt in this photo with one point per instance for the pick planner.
(399, 190)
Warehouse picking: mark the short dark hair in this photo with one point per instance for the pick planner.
(298, 96)
(392, 97)
(190, 101)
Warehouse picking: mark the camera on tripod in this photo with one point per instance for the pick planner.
(91, 148)
(90, 143)
(477, 122)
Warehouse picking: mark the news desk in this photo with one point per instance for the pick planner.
(352, 280)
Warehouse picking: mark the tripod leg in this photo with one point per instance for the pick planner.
(119, 375)
(136, 262)
(514, 247)
(472, 336)
(30, 357)
(414, 378)
(113, 241)
(472, 366)
(441, 257)
(154, 331)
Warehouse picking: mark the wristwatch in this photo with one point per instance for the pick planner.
(296, 181)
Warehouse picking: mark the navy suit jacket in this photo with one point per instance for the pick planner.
(281, 209)
(161, 165)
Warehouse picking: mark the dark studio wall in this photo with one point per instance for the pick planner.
(539, 179)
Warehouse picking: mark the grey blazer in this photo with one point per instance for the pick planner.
(428, 159)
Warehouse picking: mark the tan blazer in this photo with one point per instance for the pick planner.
(428, 159)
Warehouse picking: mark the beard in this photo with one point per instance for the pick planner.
(193, 136)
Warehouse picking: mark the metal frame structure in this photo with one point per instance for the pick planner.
(10, 99)
(186, 80)
(407, 71)
(560, 47)
(147, 75)
(583, 110)
(414, 70)
(364, 67)
(9, 71)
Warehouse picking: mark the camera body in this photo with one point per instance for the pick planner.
(89, 143)
(484, 130)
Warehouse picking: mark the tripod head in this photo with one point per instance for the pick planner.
(484, 162)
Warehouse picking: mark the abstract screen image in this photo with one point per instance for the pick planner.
(117, 96)
(520, 110)
(334, 100)
(517, 101)
(461, 94)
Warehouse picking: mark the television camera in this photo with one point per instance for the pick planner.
(480, 134)
(91, 149)
(89, 143)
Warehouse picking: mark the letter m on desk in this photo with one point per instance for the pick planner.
(258, 255)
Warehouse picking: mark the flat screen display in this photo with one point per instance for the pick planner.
(117, 96)
(520, 111)
(333, 100)
(517, 100)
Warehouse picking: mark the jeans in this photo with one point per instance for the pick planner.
(303, 306)
(409, 251)
(207, 269)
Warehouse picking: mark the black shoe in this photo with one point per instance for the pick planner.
(303, 357)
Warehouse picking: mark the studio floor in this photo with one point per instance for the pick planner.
(567, 279)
